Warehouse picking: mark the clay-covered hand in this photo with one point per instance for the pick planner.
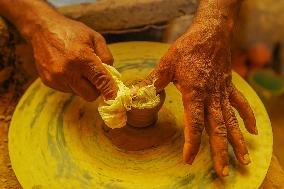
(198, 63)
(69, 58)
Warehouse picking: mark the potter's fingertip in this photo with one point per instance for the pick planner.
(255, 131)
(225, 171)
(190, 162)
(188, 159)
(246, 159)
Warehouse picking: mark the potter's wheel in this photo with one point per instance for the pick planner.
(58, 141)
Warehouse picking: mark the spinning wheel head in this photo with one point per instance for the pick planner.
(145, 117)
(57, 140)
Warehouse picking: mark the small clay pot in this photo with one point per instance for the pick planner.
(145, 117)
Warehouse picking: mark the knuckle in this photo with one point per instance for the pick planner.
(197, 90)
(102, 79)
(228, 79)
(89, 98)
(219, 120)
(47, 81)
(197, 116)
(58, 72)
(58, 69)
(196, 124)
(231, 121)
(220, 130)
(99, 38)
(105, 86)
(79, 55)
(229, 89)
(72, 79)
(195, 97)
(108, 58)
(215, 108)
(197, 128)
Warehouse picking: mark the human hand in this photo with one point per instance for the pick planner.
(199, 64)
(69, 58)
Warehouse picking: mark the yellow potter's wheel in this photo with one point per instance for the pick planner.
(57, 141)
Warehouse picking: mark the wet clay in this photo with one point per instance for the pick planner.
(146, 128)
(130, 138)
(140, 103)
(141, 118)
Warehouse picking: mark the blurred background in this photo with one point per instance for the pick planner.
(257, 50)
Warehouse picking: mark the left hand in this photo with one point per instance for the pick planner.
(68, 57)
(199, 64)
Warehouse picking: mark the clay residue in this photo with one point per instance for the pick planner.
(133, 139)
(113, 111)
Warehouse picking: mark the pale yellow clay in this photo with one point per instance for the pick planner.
(113, 112)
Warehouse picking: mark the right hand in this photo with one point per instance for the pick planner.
(199, 64)
(69, 58)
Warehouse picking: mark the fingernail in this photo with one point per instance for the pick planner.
(225, 171)
(246, 159)
(255, 131)
(188, 156)
(189, 160)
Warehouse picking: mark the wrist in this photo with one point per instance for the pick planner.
(29, 16)
(228, 8)
(223, 12)
(40, 22)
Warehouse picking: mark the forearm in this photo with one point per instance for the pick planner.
(29, 16)
(223, 12)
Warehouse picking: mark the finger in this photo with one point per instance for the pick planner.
(55, 83)
(85, 89)
(59, 87)
(239, 102)
(194, 124)
(235, 135)
(62, 88)
(162, 75)
(217, 132)
(101, 49)
(98, 75)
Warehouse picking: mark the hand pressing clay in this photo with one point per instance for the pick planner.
(113, 112)
(199, 64)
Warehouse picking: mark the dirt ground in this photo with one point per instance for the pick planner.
(7, 177)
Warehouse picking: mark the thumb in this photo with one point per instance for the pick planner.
(98, 75)
(161, 76)
(101, 49)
